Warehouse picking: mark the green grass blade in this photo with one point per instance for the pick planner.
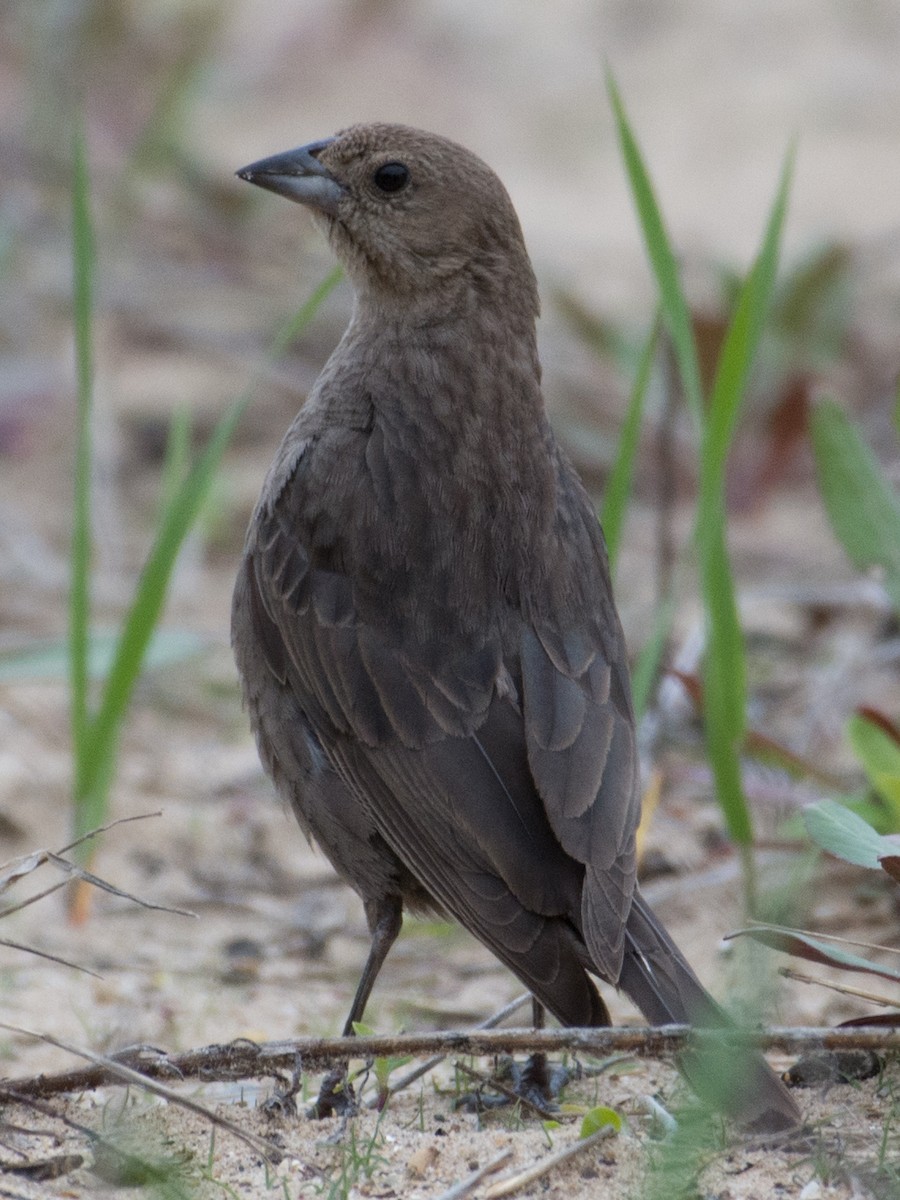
(724, 684)
(618, 487)
(675, 311)
(646, 668)
(142, 619)
(863, 509)
(742, 340)
(95, 768)
(82, 310)
(725, 669)
(177, 461)
(295, 324)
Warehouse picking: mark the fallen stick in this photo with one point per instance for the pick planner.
(244, 1059)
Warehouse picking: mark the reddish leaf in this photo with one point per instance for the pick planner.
(875, 717)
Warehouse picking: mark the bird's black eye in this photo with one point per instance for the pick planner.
(391, 177)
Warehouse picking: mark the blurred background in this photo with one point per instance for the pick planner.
(196, 271)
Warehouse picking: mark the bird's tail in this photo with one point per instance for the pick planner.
(657, 978)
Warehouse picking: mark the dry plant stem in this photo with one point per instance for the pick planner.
(505, 1187)
(118, 1072)
(250, 1060)
(465, 1186)
(843, 988)
(63, 962)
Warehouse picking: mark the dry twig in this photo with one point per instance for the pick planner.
(505, 1187)
(251, 1060)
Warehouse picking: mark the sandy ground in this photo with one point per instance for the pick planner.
(194, 277)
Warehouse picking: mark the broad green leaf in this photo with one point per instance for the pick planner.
(863, 509)
(844, 834)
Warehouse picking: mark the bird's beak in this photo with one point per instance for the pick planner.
(299, 175)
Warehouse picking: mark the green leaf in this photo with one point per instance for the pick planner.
(646, 668)
(741, 343)
(618, 485)
(598, 1118)
(725, 672)
(675, 311)
(845, 835)
(863, 510)
(80, 557)
(880, 758)
(95, 766)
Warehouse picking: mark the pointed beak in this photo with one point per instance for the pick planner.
(298, 175)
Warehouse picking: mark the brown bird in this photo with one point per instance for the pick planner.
(423, 620)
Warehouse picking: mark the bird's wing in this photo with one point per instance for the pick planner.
(579, 725)
(504, 821)
(460, 811)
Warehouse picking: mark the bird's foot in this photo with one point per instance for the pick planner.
(535, 1084)
(336, 1096)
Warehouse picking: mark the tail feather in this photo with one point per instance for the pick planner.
(657, 978)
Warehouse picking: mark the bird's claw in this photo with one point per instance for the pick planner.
(336, 1097)
(535, 1083)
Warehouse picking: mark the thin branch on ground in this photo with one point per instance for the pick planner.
(467, 1185)
(118, 1072)
(244, 1059)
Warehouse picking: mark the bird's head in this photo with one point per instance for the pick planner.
(408, 213)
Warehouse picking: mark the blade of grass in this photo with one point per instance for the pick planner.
(95, 768)
(863, 509)
(725, 660)
(618, 486)
(724, 665)
(82, 312)
(298, 321)
(177, 461)
(95, 764)
(675, 311)
(646, 669)
(742, 341)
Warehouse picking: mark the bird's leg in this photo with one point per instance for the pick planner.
(534, 1077)
(537, 1081)
(385, 917)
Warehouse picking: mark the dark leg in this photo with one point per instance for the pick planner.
(534, 1082)
(385, 918)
